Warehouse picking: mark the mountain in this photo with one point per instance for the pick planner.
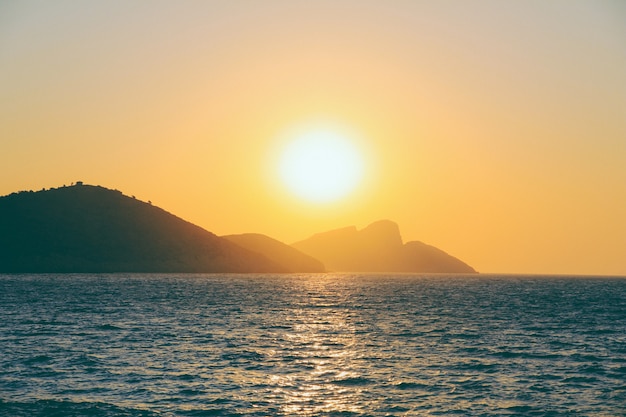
(284, 255)
(87, 228)
(377, 248)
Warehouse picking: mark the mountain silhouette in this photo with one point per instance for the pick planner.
(377, 248)
(280, 253)
(86, 228)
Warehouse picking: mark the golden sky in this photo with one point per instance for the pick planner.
(493, 130)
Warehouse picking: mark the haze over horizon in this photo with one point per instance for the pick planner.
(494, 130)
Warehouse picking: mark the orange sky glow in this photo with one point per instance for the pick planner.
(493, 130)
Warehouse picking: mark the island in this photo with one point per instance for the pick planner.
(85, 228)
(93, 229)
(378, 248)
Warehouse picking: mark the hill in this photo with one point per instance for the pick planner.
(87, 228)
(284, 255)
(377, 248)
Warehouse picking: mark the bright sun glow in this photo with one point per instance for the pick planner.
(321, 166)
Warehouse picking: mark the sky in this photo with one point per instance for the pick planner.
(493, 130)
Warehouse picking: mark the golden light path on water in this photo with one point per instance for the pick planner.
(323, 343)
(329, 357)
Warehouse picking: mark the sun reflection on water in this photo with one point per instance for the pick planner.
(321, 344)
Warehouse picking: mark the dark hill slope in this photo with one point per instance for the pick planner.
(284, 255)
(377, 248)
(93, 229)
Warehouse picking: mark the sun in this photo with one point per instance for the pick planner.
(321, 165)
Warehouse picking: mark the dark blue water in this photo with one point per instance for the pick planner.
(328, 345)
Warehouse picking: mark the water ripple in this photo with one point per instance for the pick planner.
(331, 345)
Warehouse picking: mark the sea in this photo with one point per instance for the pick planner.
(312, 345)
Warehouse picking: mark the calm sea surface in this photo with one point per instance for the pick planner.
(313, 345)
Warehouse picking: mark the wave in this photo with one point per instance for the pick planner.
(59, 408)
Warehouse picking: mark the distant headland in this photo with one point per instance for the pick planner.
(378, 248)
(86, 228)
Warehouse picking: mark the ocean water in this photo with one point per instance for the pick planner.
(312, 345)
